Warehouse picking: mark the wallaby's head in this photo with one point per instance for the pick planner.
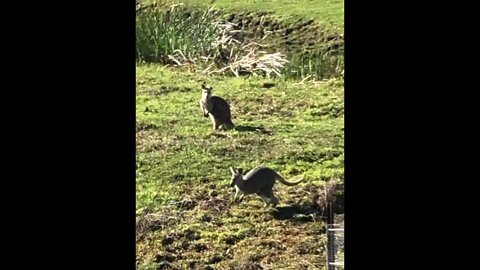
(206, 89)
(236, 175)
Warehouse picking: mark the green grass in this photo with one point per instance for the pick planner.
(303, 129)
(183, 175)
(159, 34)
(190, 36)
(323, 11)
(185, 219)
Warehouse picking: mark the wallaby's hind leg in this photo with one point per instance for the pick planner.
(274, 201)
(271, 197)
(215, 125)
(265, 198)
(226, 126)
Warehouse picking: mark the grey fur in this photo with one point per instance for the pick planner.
(259, 181)
(216, 108)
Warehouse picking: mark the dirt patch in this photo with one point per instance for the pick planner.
(187, 204)
(166, 258)
(190, 234)
(147, 140)
(215, 205)
(332, 110)
(199, 247)
(164, 89)
(150, 222)
(310, 156)
(214, 259)
(143, 126)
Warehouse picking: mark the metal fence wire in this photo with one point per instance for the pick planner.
(335, 246)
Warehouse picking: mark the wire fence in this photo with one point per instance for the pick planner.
(335, 246)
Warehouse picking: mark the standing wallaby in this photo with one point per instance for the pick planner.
(259, 181)
(215, 107)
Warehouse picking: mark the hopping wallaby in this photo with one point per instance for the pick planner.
(259, 181)
(215, 107)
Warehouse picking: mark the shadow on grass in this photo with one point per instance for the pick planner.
(302, 212)
(246, 128)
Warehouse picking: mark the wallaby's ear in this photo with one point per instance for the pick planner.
(232, 170)
(206, 86)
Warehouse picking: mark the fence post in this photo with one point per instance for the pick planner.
(330, 238)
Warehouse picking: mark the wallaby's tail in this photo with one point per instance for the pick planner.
(285, 182)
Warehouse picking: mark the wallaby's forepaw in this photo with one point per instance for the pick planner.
(205, 115)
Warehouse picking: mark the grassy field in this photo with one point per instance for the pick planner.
(185, 219)
(322, 11)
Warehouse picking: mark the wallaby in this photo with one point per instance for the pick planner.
(259, 181)
(215, 107)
